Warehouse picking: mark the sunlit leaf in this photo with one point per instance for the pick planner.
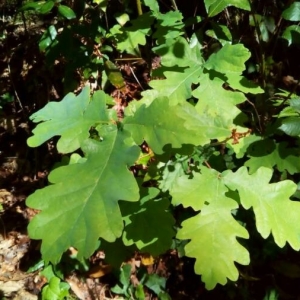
(274, 212)
(70, 118)
(76, 210)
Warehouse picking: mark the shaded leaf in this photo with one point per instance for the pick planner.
(143, 229)
(66, 12)
(180, 53)
(129, 38)
(242, 84)
(241, 147)
(48, 38)
(214, 7)
(155, 283)
(169, 26)
(45, 8)
(279, 155)
(153, 5)
(124, 278)
(291, 126)
(220, 32)
(292, 13)
(215, 100)
(114, 75)
(292, 34)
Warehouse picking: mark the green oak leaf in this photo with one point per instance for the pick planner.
(269, 154)
(171, 171)
(180, 53)
(177, 86)
(161, 124)
(241, 83)
(220, 33)
(141, 226)
(274, 211)
(229, 59)
(214, 7)
(76, 210)
(195, 192)
(213, 234)
(70, 118)
(153, 5)
(213, 231)
(169, 26)
(215, 100)
(205, 125)
(129, 38)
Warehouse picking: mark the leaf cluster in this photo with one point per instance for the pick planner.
(219, 140)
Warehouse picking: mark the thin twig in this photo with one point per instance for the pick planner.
(256, 112)
(139, 7)
(207, 164)
(174, 4)
(14, 87)
(136, 78)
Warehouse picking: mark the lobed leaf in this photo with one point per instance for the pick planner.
(213, 234)
(180, 53)
(266, 153)
(70, 118)
(161, 124)
(215, 100)
(129, 38)
(76, 210)
(202, 188)
(213, 231)
(177, 85)
(274, 211)
(229, 59)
